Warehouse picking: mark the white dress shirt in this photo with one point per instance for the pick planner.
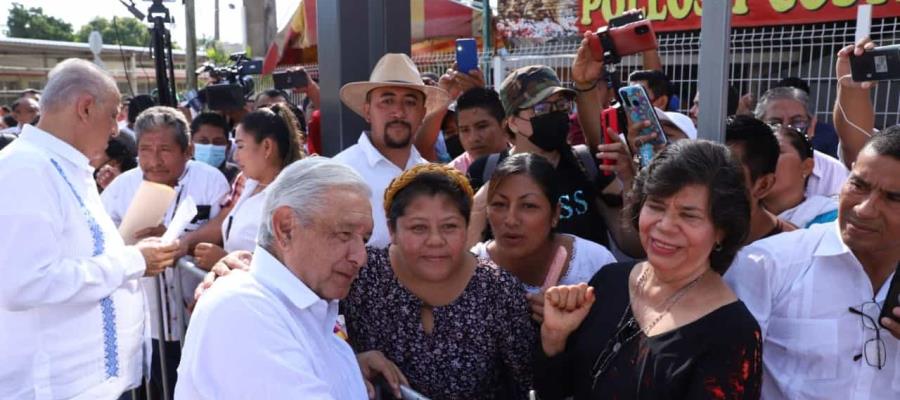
(266, 335)
(241, 227)
(378, 172)
(586, 259)
(827, 177)
(813, 210)
(799, 286)
(71, 307)
(207, 186)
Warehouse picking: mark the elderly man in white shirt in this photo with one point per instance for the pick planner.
(164, 157)
(817, 293)
(789, 106)
(394, 101)
(71, 307)
(270, 333)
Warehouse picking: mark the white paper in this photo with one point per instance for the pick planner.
(184, 214)
(147, 209)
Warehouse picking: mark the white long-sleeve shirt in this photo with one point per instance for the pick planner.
(266, 335)
(71, 307)
(207, 186)
(800, 285)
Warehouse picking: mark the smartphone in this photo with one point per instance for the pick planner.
(466, 55)
(892, 300)
(628, 39)
(609, 119)
(290, 79)
(638, 107)
(879, 64)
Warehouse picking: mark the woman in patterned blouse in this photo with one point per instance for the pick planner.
(457, 327)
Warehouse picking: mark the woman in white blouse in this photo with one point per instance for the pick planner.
(523, 218)
(788, 197)
(267, 140)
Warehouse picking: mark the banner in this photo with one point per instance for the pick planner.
(540, 20)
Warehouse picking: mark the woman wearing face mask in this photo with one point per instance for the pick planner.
(523, 218)
(788, 197)
(267, 140)
(537, 122)
(209, 135)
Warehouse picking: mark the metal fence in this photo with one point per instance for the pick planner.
(760, 57)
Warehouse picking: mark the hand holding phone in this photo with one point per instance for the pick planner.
(290, 79)
(638, 107)
(628, 34)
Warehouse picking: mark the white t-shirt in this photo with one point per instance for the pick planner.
(827, 177)
(207, 186)
(813, 210)
(587, 258)
(240, 228)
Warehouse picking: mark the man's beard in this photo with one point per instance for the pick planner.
(401, 143)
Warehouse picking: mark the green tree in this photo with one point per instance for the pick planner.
(131, 32)
(31, 23)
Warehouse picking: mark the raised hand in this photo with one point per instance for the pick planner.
(842, 67)
(565, 307)
(585, 69)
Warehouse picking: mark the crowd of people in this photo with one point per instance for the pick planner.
(472, 244)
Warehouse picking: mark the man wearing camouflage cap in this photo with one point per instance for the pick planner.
(537, 108)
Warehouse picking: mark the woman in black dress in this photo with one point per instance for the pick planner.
(668, 327)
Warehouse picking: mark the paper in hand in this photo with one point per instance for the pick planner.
(184, 214)
(147, 209)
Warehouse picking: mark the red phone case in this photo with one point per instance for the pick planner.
(629, 39)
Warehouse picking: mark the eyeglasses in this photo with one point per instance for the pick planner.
(800, 124)
(793, 130)
(546, 107)
(873, 349)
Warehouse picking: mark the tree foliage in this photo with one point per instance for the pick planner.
(32, 23)
(131, 32)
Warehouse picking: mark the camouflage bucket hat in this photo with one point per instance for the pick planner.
(528, 86)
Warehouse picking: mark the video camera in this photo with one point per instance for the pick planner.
(231, 85)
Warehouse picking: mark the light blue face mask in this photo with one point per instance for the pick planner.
(209, 154)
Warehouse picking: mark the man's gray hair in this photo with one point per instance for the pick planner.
(75, 77)
(781, 93)
(303, 186)
(159, 117)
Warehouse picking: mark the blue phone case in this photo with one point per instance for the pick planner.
(466, 55)
(637, 103)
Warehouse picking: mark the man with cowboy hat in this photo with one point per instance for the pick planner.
(394, 101)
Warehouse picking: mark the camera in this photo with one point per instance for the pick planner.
(879, 64)
(231, 85)
(625, 35)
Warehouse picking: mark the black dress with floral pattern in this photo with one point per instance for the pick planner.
(481, 344)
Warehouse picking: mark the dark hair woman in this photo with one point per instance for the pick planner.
(458, 327)
(668, 327)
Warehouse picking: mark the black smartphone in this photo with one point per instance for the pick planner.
(893, 298)
(878, 64)
(290, 79)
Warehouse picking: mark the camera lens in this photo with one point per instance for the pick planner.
(641, 30)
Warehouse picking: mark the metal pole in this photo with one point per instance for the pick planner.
(190, 52)
(715, 50)
(487, 38)
(216, 32)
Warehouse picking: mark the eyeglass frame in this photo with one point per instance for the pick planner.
(879, 342)
(807, 143)
(553, 106)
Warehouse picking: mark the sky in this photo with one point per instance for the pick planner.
(80, 12)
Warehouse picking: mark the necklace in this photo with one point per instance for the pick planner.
(670, 302)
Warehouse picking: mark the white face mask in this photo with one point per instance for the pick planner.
(210, 154)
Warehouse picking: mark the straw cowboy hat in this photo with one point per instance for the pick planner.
(393, 70)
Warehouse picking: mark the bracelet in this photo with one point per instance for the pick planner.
(577, 89)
